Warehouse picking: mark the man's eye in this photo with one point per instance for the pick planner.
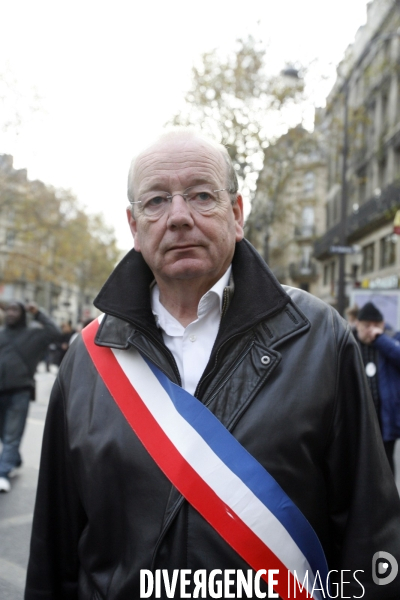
(156, 201)
(203, 197)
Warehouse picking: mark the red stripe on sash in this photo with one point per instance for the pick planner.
(196, 491)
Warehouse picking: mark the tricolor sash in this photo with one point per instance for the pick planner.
(212, 470)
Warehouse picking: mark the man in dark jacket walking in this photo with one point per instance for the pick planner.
(21, 349)
(380, 349)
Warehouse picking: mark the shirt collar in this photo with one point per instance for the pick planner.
(214, 297)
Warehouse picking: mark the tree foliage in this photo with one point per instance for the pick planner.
(295, 152)
(46, 236)
(233, 98)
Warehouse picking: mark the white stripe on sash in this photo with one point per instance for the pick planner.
(226, 484)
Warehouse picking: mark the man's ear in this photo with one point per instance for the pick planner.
(133, 228)
(239, 218)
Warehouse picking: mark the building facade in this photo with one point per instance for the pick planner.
(362, 132)
(287, 212)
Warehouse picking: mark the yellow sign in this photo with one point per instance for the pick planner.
(396, 223)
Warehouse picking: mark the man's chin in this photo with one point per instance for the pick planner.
(186, 268)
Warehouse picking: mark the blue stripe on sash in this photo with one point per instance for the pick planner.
(248, 469)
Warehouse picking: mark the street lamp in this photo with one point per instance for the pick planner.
(341, 295)
(290, 72)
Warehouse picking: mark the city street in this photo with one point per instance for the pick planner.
(16, 507)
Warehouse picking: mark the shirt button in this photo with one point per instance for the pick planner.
(193, 338)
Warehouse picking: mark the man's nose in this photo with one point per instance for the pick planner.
(179, 212)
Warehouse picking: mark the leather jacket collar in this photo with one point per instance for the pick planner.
(126, 295)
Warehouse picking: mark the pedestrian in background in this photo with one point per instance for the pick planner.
(63, 343)
(380, 350)
(351, 315)
(21, 349)
(81, 325)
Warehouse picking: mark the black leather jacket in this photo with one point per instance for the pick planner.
(21, 349)
(104, 509)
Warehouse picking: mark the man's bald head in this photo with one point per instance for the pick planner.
(190, 135)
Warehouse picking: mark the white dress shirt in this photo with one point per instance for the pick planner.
(191, 346)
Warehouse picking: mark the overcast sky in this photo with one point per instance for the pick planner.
(110, 74)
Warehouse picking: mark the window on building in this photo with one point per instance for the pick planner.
(326, 274)
(305, 260)
(309, 183)
(398, 97)
(397, 162)
(371, 123)
(370, 179)
(360, 139)
(368, 258)
(308, 215)
(328, 218)
(332, 277)
(358, 87)
(332, 162)
(387, 50)
(354, 273)
(382, 172)
(11, 215)
(10, 237)
(307, 220)
(336, 210)
(384, 116)
(362, 186)
(388, 251)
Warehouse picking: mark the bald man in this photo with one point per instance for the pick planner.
(212, 435)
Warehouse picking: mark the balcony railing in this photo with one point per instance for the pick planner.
(330, 238)
(374, 213)
(304, 232)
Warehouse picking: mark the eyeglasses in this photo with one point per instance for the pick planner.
(201, 198)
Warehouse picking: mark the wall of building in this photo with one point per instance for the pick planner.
(371, 70)
(288, 211)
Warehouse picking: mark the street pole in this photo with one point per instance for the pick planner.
(341, 290)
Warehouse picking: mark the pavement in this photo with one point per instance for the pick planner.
(16, 507)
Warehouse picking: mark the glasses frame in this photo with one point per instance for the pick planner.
(184, 195)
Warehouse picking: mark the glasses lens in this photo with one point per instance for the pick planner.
(201, 198)
(154, 203)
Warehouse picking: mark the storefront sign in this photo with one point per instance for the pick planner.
(344, 249)
(390, 282)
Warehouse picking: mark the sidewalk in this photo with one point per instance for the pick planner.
(16, 508)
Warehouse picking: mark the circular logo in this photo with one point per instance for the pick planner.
(384, 568)
(370, 369)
